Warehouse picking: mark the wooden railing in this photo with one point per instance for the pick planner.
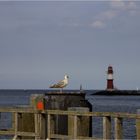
(45, 117)
(16, 113)
(118, 122)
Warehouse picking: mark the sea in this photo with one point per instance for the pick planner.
(128, 104)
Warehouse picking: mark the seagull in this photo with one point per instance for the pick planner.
(61, 84)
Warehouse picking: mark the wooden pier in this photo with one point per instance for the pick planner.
(42, 122)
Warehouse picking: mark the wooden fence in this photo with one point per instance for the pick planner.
(44, 123)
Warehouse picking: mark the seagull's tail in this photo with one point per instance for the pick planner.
(53, 86)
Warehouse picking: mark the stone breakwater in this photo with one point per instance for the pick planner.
(118, 92)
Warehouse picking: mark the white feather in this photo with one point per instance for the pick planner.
(61, 84)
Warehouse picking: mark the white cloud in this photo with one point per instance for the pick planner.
(103, 18)
(116, 8)
(98, 24)
(122, 5)
(131, 5)
(108, 14)
(117, 4)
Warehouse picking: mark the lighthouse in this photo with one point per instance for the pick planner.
(110, 86)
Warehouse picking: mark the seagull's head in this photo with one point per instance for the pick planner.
(66, 76)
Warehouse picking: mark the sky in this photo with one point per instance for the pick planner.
(41, 41)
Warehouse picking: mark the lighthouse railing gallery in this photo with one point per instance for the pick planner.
(46, 117)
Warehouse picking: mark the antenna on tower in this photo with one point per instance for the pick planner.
(81, 89)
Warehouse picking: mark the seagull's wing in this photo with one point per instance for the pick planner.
(60, 84)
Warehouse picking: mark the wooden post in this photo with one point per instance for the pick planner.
(75, 128)
(16, 123)
(138, 126)
(48, 126)
(13, 121)
(118, 128)
(106, 127)
(42, 126)
(36, 117)
(72, 126)
(83, 122)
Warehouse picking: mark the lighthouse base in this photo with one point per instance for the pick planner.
(110, 89)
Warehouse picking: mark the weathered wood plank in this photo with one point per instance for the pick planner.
(58, 136)
(43, 128)
(75, 127)
(36, 120)
(16, 122)
(19, 109)
(138, 128)
(7, 132)
(106, 127)
(88, 138)
(28, 134)
(118, 128)
(13, 121)
(48, 126)
(39, 121)
(138, 125)
(70, 125)
(94, 114)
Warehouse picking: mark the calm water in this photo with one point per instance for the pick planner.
(128, 104)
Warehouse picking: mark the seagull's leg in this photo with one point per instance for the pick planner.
(61, 90)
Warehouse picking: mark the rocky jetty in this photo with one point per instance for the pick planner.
(117, 92)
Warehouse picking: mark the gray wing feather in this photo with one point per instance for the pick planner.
(60, 84)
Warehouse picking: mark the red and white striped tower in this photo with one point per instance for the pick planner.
(110, 85)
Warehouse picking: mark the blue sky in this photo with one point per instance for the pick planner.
(40, 42)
